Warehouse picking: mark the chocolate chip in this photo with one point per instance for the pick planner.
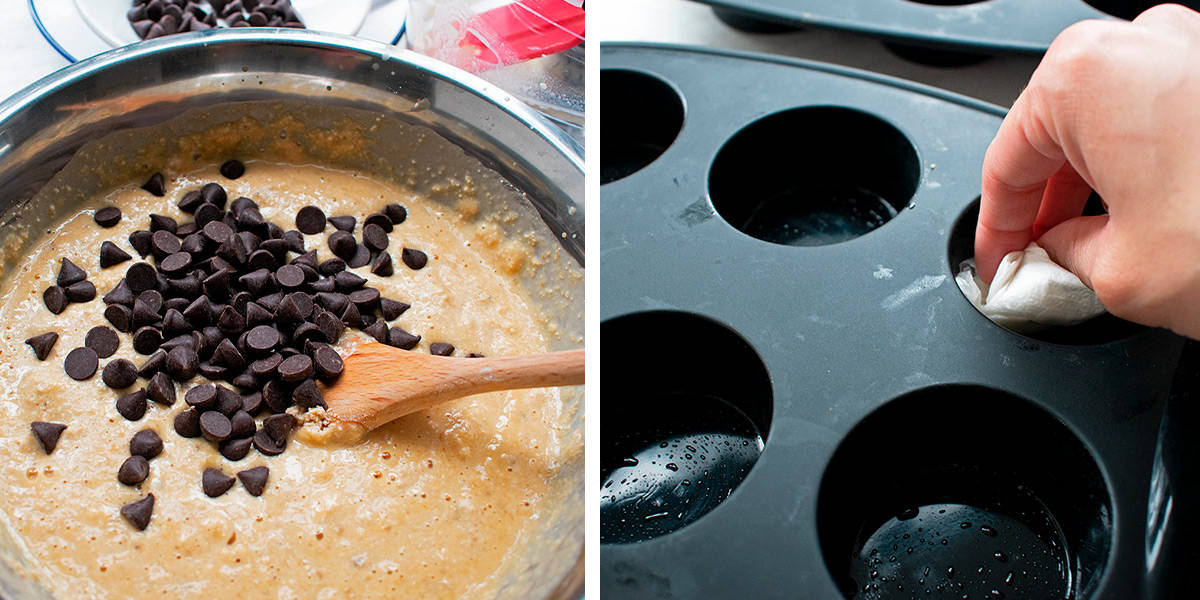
(296, 368)
(262, 259)
(267, 366)
(232, 169)
(365, 299)
(227, 355)
(377, 330)
(153, 365)
(379, 219)
(294, 308)
(214, 426)
(252, 403)
(382, 265)
(119, 374)
(279, 427)
(103, 340)
(145, 443)
(111, 254)
(214, 194)
(187, 423)
(328, 363)
(55, 299)
(142, 27)
(308, 395)
(217, 232)
(155, 185)
(242, 425)
(290, 276)
(215, 483)
(81, 363)
(175, 263)
(392, 309)
(84, 291)
(146, 340)
(228, 401)
(396, 213)
(141, 277)
(295, 241)
(441, 349)
(42, 344)
(343, 223)
(199, 312)
(275, 396)
(399, 338)
(121, 294)
(310, 220)
(201, 397)
(161, 389)
(257, 315)
(165, 243)
(263, 338)
(138, 512)
(342, 245)
(133, 405)
(331, 267)
(236, 449)
(69, 273)
(182, 362)
(47, 434)
(163, 223)
(362, 256)
(414, 259)
(107, 216)
(351, 317)
(230, 322)
(206, 213)
(190, 201)
(347, 281)
(134, 470)
(374, 237)
(254, 480)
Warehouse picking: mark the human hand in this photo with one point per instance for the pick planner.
(1113, 107)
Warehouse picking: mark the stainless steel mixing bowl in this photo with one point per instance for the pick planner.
(43, 126)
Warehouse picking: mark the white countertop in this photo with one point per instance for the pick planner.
(998, 80)
(25, 56)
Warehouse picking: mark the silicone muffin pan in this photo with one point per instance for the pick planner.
(983, 26)
(799, 402)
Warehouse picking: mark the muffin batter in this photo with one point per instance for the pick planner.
(439, 504)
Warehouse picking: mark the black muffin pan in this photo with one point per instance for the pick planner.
(799, 402)
(979, 26)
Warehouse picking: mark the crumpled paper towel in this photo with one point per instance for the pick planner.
(1030, 292)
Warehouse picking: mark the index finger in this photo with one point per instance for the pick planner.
(1021, 159)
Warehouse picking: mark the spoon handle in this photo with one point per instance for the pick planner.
(516, 372)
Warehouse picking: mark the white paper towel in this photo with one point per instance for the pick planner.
(1029, 292)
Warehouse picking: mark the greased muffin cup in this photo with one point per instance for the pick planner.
(798, 399)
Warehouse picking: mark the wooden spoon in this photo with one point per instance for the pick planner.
(380, 383)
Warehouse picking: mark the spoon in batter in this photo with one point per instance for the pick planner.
(380, 383)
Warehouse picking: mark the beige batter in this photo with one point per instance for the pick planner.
(438, 504)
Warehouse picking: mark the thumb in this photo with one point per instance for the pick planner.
(1075, 244)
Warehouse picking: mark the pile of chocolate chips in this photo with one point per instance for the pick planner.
(156, 18)
(233, 298)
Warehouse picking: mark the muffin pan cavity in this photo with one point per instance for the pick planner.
(813, 176)
(682, 428)
(887, 405)
(1099, 330)
(933, 496)
(640, 115)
